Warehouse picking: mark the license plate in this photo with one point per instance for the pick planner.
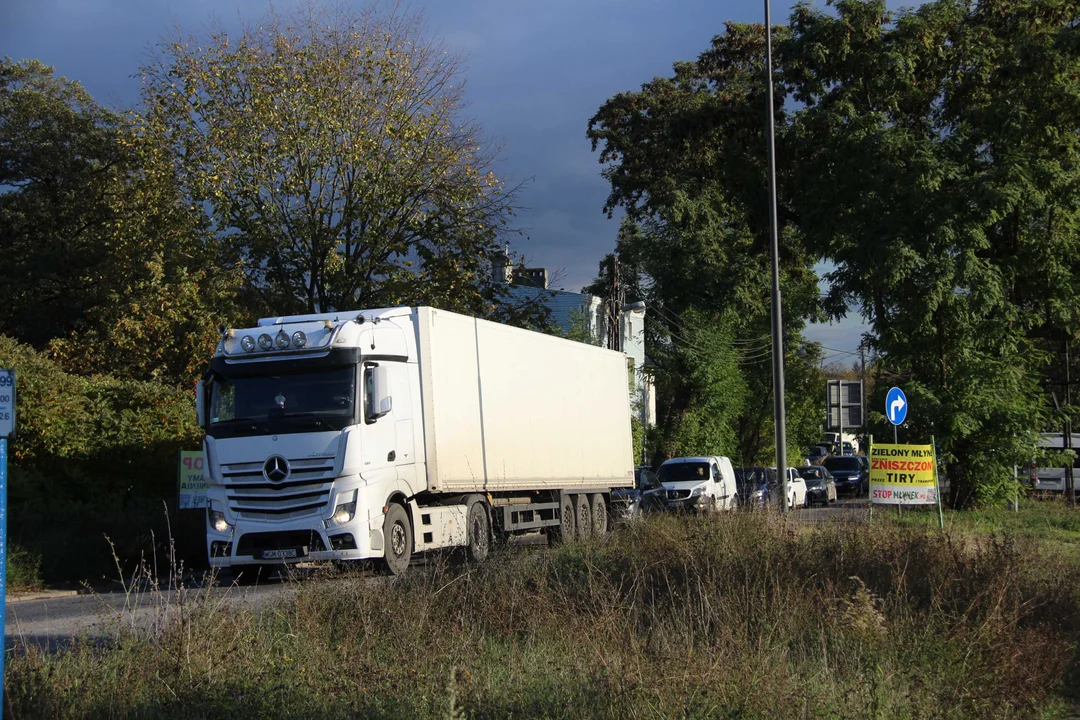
(282, 553)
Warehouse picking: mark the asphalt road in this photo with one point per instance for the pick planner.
(52, 622)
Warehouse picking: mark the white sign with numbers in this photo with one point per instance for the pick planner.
(7, 403)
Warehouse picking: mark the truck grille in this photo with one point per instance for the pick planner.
(304, 491)
(678, 494)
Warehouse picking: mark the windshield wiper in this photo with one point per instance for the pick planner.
(235, 420)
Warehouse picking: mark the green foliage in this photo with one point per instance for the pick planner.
(96, 451)
(110, 266)
(331, 154)
(685, 157)
(700, 391)
(931, 155)
(23, 569)
(942, 146)
(59, 167)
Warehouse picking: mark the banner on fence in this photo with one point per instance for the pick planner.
(903, 475)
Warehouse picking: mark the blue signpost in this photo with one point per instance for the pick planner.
(7, 430)
(896, 408)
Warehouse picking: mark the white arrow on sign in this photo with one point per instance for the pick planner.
(896, 407)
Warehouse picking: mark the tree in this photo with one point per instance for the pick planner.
(685, 157)
(59, 168)
(933, 198)
(331, 155)
(109, 267)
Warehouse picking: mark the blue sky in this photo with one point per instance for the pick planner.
(537, 71)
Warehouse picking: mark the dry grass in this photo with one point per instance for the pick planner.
(733, 617)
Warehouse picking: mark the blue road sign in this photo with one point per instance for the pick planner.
(896, 406)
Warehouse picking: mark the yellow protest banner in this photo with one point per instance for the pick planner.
(903, 475)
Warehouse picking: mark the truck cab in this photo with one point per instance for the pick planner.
(308, 426)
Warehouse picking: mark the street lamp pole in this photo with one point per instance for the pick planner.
(777, 313)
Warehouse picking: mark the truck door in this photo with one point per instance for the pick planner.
(378, 448)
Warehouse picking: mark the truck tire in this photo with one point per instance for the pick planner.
(397, 540)
(599, 515)
(478, 528)
(583, 523)
(564, 531)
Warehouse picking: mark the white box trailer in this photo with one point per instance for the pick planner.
(375, 433)
(512, 409)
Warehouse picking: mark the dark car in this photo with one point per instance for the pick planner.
(754, 487)
(820, 485)
(848, 473)
(645, 497)
(817, 453)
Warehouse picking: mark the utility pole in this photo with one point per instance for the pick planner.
(777, 312)
(616, 301)
(862, 391)
(1070, 491)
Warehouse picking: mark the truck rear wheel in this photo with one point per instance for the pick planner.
(564, 531)
(583, 522)
(599, 514)
(397, 540)
(479, 537)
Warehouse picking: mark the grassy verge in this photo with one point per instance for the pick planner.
(735, 617)
(1047, 520)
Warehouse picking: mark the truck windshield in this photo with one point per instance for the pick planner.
(278, 404)
(684, 472)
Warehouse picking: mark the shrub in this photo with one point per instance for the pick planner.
(92, 456)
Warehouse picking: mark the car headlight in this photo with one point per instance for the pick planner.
(343, 513)
(700, 490)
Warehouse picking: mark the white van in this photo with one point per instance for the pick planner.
(699, 483)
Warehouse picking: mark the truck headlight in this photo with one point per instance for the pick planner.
(700, 490)
(343, 513)
(217, 521)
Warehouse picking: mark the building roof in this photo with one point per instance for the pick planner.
(561, 302)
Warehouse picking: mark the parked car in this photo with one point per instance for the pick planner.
(699, 483)
(816, 454)
(865, 462)
(850, 476)
(820, 485)
(754, 489)
(796, 490)
(647, 496)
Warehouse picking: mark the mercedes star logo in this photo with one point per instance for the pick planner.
(276, 468)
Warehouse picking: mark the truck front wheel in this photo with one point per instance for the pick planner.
(398, 539)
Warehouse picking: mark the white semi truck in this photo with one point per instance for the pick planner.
(377, 434)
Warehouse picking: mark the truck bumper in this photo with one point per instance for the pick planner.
(291, 542)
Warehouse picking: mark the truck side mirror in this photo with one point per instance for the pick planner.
(379, 401)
